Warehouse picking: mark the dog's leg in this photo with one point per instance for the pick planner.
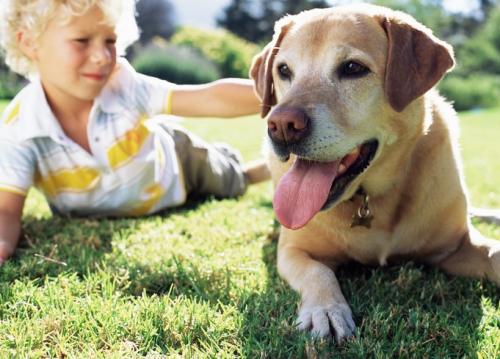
(486, 215)
(322, 302)
(477, 256)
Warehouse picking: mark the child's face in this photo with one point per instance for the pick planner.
(75, 59)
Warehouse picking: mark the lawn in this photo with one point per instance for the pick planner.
(201, 281)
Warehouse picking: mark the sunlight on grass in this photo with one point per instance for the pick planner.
(201, 280)
(481, 153)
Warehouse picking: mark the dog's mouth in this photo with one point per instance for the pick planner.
(310, 186)
(351, 167)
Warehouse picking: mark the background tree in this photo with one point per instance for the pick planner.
(431, 13)
(155, 18)
(254, 20)
(456, 28)
(485, 6)
(482, 53)
(240, 18)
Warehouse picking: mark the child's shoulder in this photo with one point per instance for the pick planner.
(13, 120)
(129, 89)
(124, 75)
(12, 112)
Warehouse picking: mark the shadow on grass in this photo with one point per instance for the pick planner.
(400, 311)
(415, 311)
(59, 244)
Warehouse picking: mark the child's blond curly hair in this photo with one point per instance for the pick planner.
(34, 15)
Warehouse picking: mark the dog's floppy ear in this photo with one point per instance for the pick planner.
(261, 70)
(416, 60)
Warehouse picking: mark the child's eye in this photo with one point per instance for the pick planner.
(82, 40)
(111, 41)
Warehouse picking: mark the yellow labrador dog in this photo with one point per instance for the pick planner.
(364, 154)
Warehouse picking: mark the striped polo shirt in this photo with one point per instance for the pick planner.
(132, 168)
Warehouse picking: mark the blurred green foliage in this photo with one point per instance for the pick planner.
(10, 83)
(177, 64)
(481, 54)
(475, 82)
(471, 92)
(198, 56)
(254, 19)
(231, 54)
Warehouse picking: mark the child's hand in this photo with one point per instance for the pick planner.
(11, 209)
(7, 248)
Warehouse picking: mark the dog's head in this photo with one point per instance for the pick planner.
(336, 85)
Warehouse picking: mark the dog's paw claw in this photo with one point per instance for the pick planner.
(320, 320)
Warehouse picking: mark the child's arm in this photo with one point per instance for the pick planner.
(221, 98)
(11, 209)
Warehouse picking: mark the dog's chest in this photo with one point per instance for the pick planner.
(366, 245)
(370, 246)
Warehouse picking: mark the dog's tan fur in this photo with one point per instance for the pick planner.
(415, 182)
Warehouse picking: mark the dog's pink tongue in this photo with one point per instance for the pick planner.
(302, 191)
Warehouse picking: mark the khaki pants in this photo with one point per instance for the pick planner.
(209, 169)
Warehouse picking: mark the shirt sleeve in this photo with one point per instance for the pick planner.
(17, 167)
(148, 94)
(156, 94)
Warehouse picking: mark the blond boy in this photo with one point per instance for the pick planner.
(86, 130)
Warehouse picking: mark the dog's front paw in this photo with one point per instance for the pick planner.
(319, 319)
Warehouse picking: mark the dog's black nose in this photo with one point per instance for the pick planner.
(288, 125)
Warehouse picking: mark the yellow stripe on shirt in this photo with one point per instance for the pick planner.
(13, 114)
(128, 146)
(80, 179)
(155, 193)
(168, 102)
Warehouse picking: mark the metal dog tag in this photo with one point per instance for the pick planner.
(361, 221)
(363, 216)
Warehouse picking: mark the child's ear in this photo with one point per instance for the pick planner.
(27, 43)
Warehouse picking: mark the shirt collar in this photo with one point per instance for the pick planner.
(111, 99)
(38, 118)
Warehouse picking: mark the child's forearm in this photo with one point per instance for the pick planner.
(235, 97)
(221, 98)
(10, 231)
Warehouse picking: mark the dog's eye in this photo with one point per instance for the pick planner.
(284, 72)
(353, 69)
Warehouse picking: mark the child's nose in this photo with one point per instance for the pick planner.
(101, 54)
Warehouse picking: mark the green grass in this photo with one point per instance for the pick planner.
(481, 153)
(201, 281)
